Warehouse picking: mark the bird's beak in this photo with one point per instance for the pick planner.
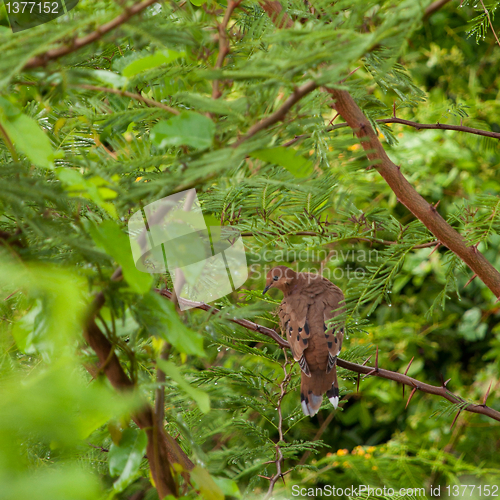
(266, 289)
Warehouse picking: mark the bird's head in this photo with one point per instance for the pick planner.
(280, 277)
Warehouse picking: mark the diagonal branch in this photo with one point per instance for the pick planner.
(280, 113)
(407, 195)
(223, 43)
(78, 43)
(434, 7)
(162, 450)
(379, 372)
(356, 238)
(414, 202)
(131, 95)
(489, 21)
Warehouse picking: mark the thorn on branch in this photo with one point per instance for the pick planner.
(411, 395)
(443, 383)
(406, 371)
(486, 395)
(470, 281)
(375, 369)
(434, 207)
(333, 119)
(435, 248)
(455, 419)
(367, 359)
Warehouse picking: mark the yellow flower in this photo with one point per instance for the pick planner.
(371, 449)
(354, 147)
(374, 467)
(368, 456)
(346, 465)
(335, 464)
(138, 179)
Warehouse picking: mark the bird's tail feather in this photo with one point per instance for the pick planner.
(333, 393)
(310, 400)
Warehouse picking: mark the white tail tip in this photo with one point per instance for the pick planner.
(335, 401)
(305, 409)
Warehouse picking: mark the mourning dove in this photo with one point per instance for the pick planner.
(309, 302)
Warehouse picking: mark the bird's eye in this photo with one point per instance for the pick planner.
(276, 278)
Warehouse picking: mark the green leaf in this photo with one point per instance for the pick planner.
(205, 484)
(186, 129)
(159, 317)
(116, 243)
(125, 458)
(94, 189)
(200, 397)
(227, 486)
(28, 331)
(151, 61)
(26, 135)
(110, 77)
(287, 158)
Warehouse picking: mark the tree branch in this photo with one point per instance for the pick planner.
(436, 126)
(434, 7)
(368, 240)
(78, 43)
(416, 125)
(379, 372)
(277, 14)
(426, 213)
(223, 43)
(131, 95)
(407, 195)
(280, 113)
(162, 450)
(489, 22)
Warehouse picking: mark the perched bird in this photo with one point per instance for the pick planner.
(309, 302)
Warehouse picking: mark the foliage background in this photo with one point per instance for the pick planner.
(79, 161)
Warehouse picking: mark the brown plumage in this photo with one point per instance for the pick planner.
(309, 302)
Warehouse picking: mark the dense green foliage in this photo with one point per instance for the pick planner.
(78, 157)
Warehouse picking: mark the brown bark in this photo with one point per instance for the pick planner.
(162, 450)
(407, 195)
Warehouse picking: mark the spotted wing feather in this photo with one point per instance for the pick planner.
(293, 316)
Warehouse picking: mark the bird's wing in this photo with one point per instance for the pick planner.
(332, 298)
(293, 314)
(326, 297)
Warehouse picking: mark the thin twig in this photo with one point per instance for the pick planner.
(78, 43)
(223, 43)
(279, 454)
(357, 238)
(489, 21)
(409, 123)
(280, 113)
(131, 95)
(434, 7)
